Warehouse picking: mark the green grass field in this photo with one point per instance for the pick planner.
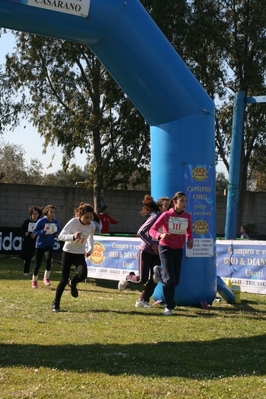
(101, 346)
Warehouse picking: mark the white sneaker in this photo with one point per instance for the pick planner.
(123, 283)
(157, 274)
(167, 312)
(142, 304)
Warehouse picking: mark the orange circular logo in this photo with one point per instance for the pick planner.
(199, 173)
(97, 257)
(200, 227)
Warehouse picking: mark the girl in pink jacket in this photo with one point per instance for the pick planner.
(173, 228)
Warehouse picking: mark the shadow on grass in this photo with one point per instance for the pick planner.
(225, 357)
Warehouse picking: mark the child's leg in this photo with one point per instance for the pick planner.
(48, 257)
(67, 261)
(81, 265)
(39, 252)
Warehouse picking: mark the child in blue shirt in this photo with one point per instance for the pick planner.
(46, 229)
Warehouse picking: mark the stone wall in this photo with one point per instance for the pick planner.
(15, 199)
(124, 206)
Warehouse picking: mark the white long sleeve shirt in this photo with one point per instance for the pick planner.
(79, 245)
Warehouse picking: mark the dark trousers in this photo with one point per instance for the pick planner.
(69, 259)
(171, 260)
(39, 252)
(27, 253)
(146, 263)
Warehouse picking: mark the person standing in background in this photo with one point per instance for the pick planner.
(46, 229)
(243, 233)
(29, 238)
(106, 219)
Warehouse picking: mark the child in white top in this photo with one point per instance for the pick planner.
(78, 236)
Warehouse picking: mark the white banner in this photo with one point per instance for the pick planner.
(79, 8)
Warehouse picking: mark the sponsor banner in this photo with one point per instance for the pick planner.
(202, 248)
(244, 261)
(11, 241)
(113, 257)
(79, 8)
(199, 190)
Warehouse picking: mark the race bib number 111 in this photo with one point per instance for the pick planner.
(177, 225)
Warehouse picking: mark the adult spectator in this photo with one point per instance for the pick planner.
(106, 219)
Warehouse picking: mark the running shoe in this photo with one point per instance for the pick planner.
(157, 274)
(46, 281)
(34, 284)
(142, 304)
(123, 283)
(73, 289)
(167, 312)
(55, 306)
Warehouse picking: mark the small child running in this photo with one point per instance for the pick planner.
(46, 229)
(77, 233)
(148, 251)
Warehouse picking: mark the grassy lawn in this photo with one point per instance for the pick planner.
(101, 346)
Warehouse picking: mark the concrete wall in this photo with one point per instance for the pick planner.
(124, 206)
(15, 199)
(254, 214)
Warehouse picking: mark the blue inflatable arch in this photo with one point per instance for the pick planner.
(180, 113)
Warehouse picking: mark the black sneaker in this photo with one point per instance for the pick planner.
(55, 306)
(73, 289)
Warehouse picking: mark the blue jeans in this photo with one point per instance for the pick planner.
(171, 260)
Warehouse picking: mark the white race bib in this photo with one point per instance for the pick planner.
(31, 226)
(50, 228)
(81, 240)
(177, 225)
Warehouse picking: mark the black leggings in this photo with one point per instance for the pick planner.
(69, 259)
(39, 252)
(146, 263)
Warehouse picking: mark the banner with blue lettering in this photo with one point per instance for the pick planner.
(199, 191)
(113, 257)
(244, 261)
